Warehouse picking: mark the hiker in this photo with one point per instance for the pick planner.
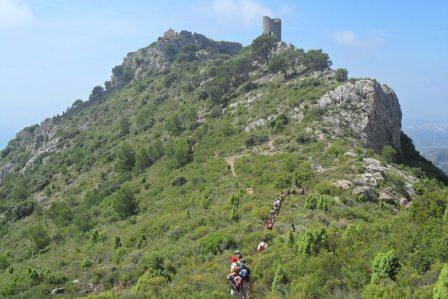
(277, 204)
(293, 227)
(236, 284)
(269, 224)
(236, 257)
(272, 214)
(262, 246)
(282, 196)
(288, 191)
(238, 254)
(245, 274)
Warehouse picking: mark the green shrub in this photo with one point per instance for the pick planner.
(60, 213)
(441, 287)
(4, 263)
(124, 202)
(255, 140)
(385, 265)
(280, 278)
(341, 75)
(39, 236)
(315, 201)
(313, 241)
(303, 173)
(216, 243)
(278, 122)
(389, 153)
(86, 263)
(179, 154)
(125, 157)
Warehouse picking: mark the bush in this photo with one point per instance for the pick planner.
(125, 157)
(303, 173)
(280, 278)
(341, 75)
(256, 140)
(124, 126)
(313, 241)
(4, 263)
(389, 153)
(441, 287)
(19, 210)
(124, 203)
(279, 63)
(317, 60)
(278, 123)
(385, 265)
(60, 213)
(216, 243)
(262, 46)
(39, 236)
(179, 154)
(314, 201)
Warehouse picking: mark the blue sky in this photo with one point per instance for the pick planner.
(53, 52)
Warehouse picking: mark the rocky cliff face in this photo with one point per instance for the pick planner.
(368, 110)
(159, 54)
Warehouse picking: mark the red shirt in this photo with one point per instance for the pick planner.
(234, 259)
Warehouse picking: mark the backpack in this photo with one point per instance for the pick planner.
(245, 274)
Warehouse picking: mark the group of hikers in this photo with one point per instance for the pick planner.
(239, 277)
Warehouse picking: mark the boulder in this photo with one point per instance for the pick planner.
(367, 191)
(404, 202)
(57, 291)
(368, 110)
(343, 184)
(386, 197)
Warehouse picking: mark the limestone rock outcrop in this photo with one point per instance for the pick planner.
(161, 53)
(368, 110)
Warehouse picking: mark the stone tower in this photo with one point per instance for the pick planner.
(272, 27)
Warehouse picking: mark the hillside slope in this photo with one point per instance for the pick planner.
(147, 188)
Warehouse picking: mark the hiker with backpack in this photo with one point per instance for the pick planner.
(262, 246)
(277, 204)
(245, 275)
(269, 224)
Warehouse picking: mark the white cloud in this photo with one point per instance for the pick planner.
(248, 11)
(14, 13)
(349, 38)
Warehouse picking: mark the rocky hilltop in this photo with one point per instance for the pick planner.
(176, 161)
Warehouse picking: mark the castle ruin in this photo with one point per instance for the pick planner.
(272, 27)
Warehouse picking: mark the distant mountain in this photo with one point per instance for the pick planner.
(431, 139)
(439, 157)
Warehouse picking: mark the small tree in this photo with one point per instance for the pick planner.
(317, 60)
(313, 242)
(341, 75)
(97, 93)
(143, 159)
(39, 236)
(240, 68)
(385, 265)
(262, 47)
(441, 287)
(280, 278)
(279, 63)
(125, 157)
(124, 202)
(124, 126)
(77, 103)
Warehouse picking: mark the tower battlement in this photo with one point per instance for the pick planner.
(272, 27)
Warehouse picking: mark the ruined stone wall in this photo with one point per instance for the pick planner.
(272, 27)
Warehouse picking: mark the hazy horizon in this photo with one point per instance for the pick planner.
(53, 54)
